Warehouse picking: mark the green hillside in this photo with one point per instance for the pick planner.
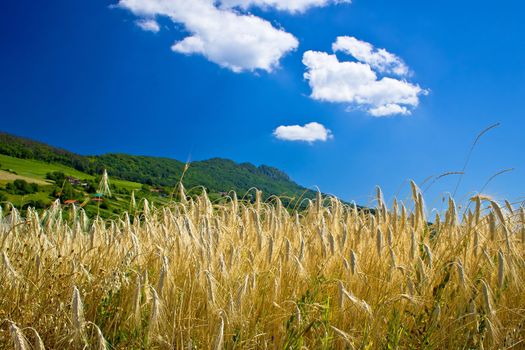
(20, 147)
(33, 159)
(35, 169)
(29, 182)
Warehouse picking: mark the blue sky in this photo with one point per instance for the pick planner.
(84, 75)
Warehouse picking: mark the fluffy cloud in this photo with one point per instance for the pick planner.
(281, 5)
(149, 25)
(379, 59)
(310, 132)
(240, 42)
(357, 84)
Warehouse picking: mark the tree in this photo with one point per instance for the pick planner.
(68, 192)
(21, 187)
(57, 176)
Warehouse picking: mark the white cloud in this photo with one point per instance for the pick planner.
(310, 132)
(357, 84)
(386, 110)
(379, 59)
(293, 6)
(240, 42)
(149, 25)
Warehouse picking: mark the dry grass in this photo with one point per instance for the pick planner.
(194, 275)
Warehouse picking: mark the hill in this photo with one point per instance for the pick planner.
(33, 183)
(216, 175)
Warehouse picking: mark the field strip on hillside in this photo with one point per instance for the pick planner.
(8, 177)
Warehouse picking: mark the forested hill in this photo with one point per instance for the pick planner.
(217, 175)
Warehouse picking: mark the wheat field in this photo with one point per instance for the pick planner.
(239, 275)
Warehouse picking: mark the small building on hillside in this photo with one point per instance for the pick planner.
(73, 181)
